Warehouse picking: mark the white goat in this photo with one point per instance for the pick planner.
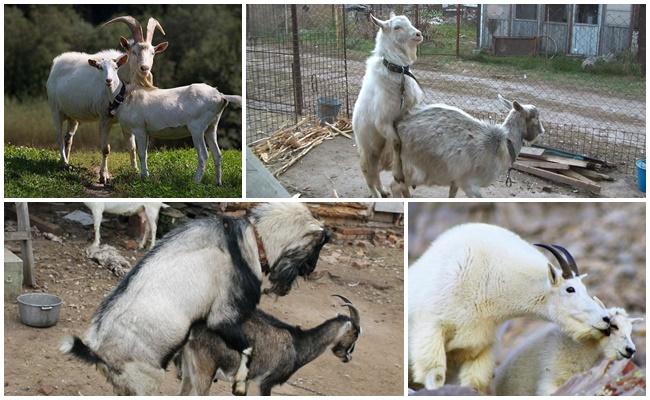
(471, 279)
(76, 93)
(150, 211)
(386, 94)
(443, 145)
(149, 111)
(549, 358)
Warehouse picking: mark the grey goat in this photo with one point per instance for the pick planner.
(443, 145)
(279, 351)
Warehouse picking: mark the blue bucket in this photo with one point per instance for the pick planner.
(327, 110)
(640, 174)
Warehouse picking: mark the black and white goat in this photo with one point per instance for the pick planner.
(207, 270)
(279, 350)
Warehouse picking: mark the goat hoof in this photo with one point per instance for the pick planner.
(239, 388)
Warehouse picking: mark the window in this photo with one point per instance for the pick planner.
(526, 11)
(556, 13)
(587, 14)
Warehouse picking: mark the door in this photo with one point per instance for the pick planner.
(586, 26)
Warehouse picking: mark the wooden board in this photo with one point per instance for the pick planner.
(594, 175)
(531, 151)
(555, 177)
(542, 164)
(578, 176)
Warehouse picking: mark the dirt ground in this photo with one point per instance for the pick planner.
(334, 165)
(608, 241)
(371, 277)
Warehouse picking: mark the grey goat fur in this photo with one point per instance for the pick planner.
(443, 145)
(279, 350)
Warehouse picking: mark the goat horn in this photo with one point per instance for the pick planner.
(132, 23)
(567, 273)
(569, 258)
(152, 25)
(354, 313)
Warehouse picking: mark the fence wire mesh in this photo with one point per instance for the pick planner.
(581, 65)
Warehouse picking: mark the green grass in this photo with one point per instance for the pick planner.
(31, 172)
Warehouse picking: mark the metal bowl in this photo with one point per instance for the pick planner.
(39, 310)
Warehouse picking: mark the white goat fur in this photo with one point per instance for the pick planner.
(443, 145)
(149, 111)
(150, 210)
(186, 278)
(76, 94)
(378, 106)
(471, 279)
(549, 358)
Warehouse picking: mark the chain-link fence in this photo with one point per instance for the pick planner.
(581, 65)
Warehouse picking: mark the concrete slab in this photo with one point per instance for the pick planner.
(260, 183)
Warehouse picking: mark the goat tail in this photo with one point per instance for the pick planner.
(231, 98)
(75, 346)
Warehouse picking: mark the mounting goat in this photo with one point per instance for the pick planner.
(387, 92)
(150, 211)
(279, 350)
(443, 145)
(148, 111)
(471, 279)
(549, 358)
(76, 93)
(207, 270)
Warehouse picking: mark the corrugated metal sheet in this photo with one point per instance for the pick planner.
(523, 28)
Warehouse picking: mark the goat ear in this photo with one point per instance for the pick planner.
(392, 14)
(634, 320)
(124, 42)
(517, 106)
(382, 24)
(122, 60)
(93, 63)
(160, 47)
(553, 276)
(505, 102)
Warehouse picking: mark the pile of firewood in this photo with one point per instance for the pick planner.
(575, 170)
(289, 144)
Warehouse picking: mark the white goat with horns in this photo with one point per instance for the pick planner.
(548, 358)
(473, 278)
(149, 111)
(388, 90)
(76, 93)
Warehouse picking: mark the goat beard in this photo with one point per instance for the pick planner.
(292, 264)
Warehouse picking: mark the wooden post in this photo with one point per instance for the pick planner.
(457, 30)
(337, 26)
(295, 71)
(22, 212)
(641, 38)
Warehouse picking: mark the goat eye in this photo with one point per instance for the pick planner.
(397, 28)
(570, 289)
(614, 327)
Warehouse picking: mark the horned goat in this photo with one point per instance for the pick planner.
(279, 350)
(207, 270)
(443, 145)
(150, 211)
(471, 279)
(388, 90)
(549, 358)
(149, 111)
(76, 93)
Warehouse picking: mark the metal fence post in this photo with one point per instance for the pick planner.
(295, 70)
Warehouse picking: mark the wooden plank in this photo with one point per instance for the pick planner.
(578, 176)
(531, 151)
(29, 278)
(17, 236)
(595, 175)
(542, 164)
(555, 177)
(566, 161)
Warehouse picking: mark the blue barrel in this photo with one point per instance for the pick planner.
(640, 174)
